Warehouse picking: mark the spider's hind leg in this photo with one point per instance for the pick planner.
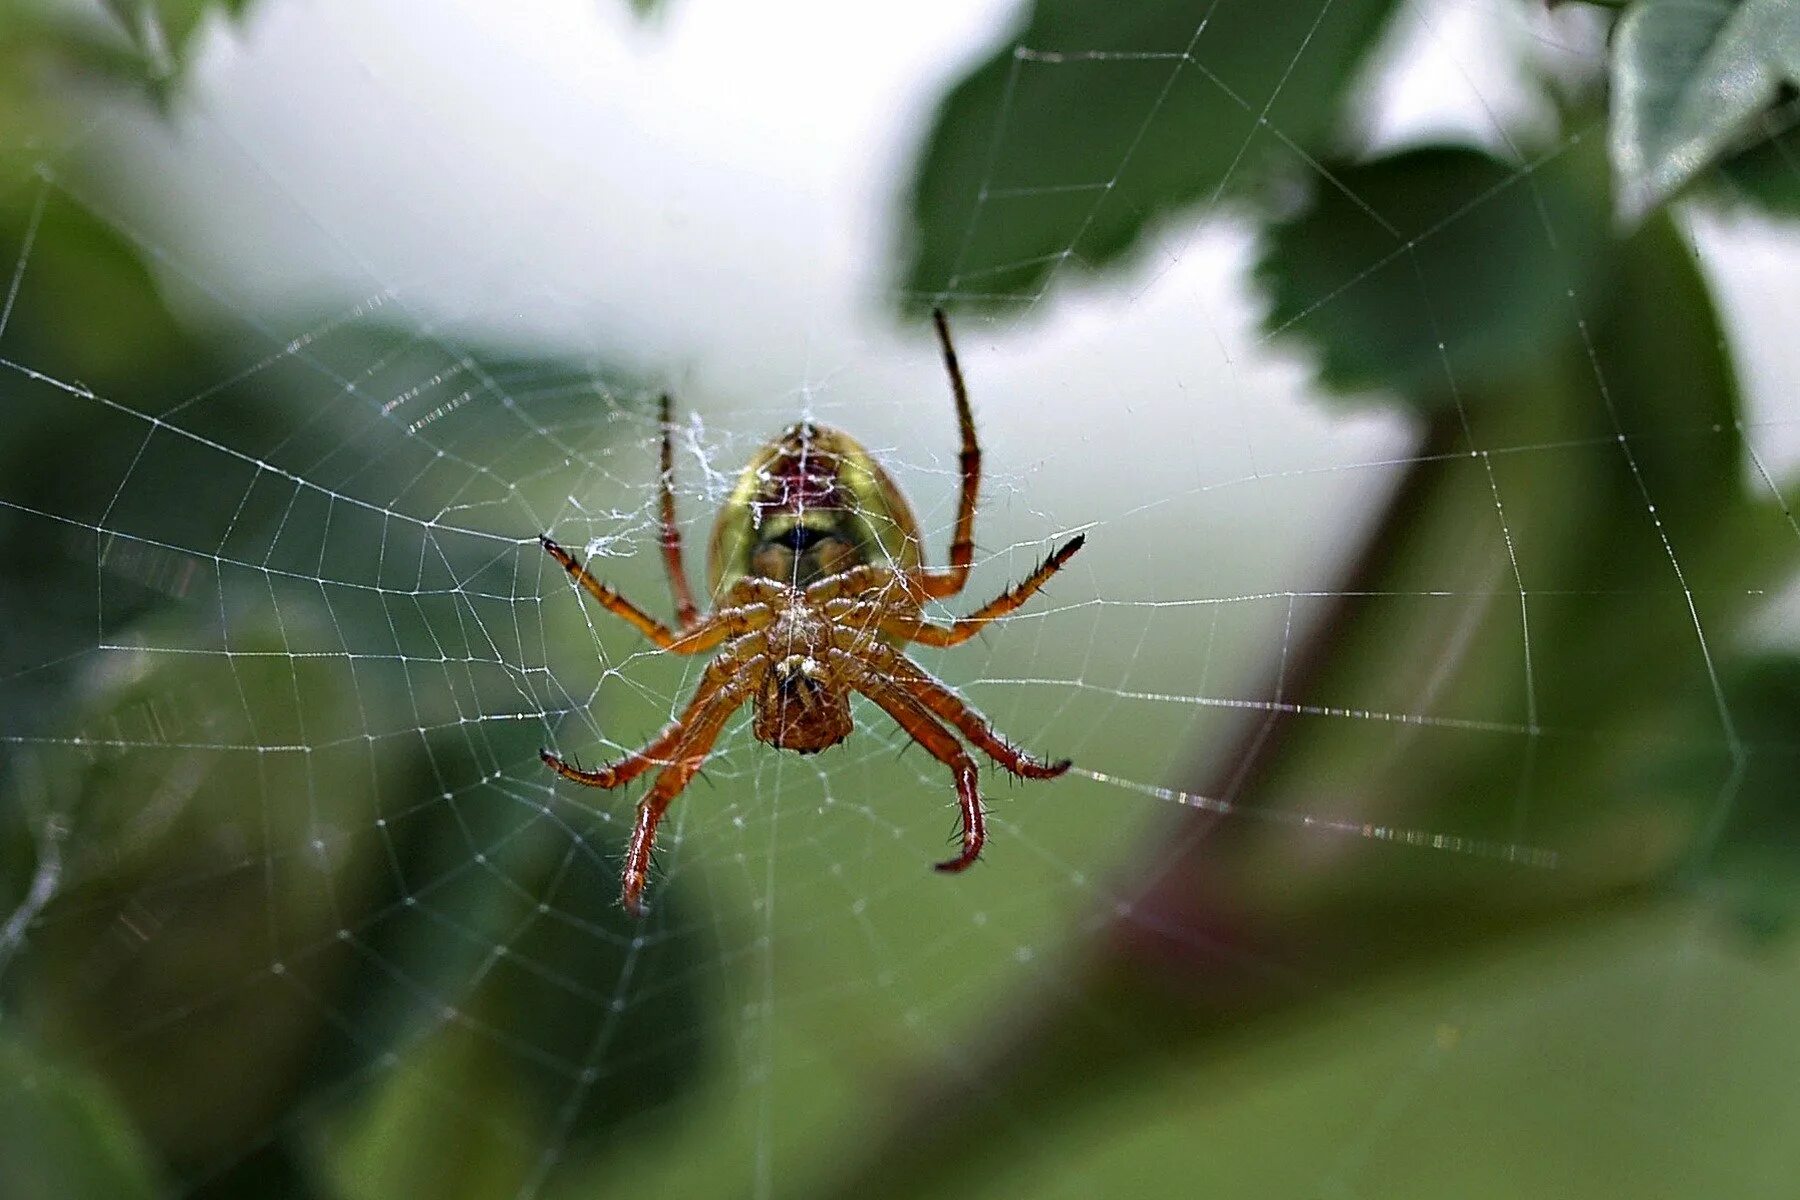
(923, 728)
(932, 694)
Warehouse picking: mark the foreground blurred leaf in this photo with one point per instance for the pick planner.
(1438, 270)
(56, 58)
(438, 1127)
(1505, 607)
(1768, 174)
(495, 982)
(206, 877)
(1690, 78)
(1097, 119)
(63, 1136)
(1750, 854)
(162, 31)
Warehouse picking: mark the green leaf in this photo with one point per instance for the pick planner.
(162, 30)
(1539, 697)
(437, 1127)
(515, 926)
(1690, 80)
(1394, 277)
(236, 867)
(63, 1136)
(1767, 175)
(1750, 856)
(1098, 118)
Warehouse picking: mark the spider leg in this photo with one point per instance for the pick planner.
(696, 639)
(919, 725)
(917, 629)
(686, 614)
(715, 680)
(933, 695)
(689, 755)
(962, 542)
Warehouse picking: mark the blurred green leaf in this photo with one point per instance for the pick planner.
(1438, 270)
(205, 876)
(1767, 175)
(63, 1136)
(162, 31)
(52, 53)
(1098, 119)
(1690, 78)
(1751, 852)
(512, 946)
(439, 1127)
(1547, 616)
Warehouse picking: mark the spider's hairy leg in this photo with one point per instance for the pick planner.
(932, 694)
(686, 613)
(962, 542)
(918, 723)
(688, 755)
(963, 628)
(696, 640)
(718, 676)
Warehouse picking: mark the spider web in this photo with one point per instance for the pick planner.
(333, 662)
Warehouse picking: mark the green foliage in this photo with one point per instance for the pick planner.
(237, 868)
(1767, 175)
(1436, 271)
(161, 33)
(47, 48)
(1691, 80)
(1253, 923)
(1750, 854)
(385, 872)
(1065, 150)
(392, 957)
(63, 1136)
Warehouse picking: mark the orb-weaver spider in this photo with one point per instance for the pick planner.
(816, 572)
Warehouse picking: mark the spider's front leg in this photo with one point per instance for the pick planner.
(697, 639)
(950, 581)
(917, 629)
(687, 615)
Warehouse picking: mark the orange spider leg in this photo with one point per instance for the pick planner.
(918, 723)
(932, 694)
(917, 629)
(695, 744)
(717, 677)
(695, 640)
(686, 614)
(948, 582)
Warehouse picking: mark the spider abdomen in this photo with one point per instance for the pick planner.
(811, 503)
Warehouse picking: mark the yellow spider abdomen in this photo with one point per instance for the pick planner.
(810, 504)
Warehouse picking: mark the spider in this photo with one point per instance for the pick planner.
(816, 571)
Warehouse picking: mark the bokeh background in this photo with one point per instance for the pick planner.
(1421, 373)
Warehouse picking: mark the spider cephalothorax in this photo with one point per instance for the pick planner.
(817, 581)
